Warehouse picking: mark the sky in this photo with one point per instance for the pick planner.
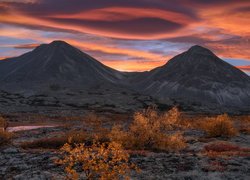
(129, 35)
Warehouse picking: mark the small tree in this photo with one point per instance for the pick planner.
(99, 161)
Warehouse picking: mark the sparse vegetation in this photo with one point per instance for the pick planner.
(223, 148)
(56, 142)
(220, 126)
(98, 161)
(150, 130)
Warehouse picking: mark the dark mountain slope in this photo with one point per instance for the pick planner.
(197, 77)
(57, 62)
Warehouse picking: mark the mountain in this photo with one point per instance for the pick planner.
(199, 78)
(55, 63)
(58, 74)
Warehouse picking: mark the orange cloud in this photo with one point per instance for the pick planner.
(231, 50)
(231, 18)
(131, 66)
(115, 50)
(147, 23)
(127, 13)
(244, 68)
(26, 46)
(4, 57)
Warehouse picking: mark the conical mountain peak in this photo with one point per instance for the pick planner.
(54, 45)
(196, 49)
(57, 61)
(58, 43)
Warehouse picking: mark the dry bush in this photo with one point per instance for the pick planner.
(220, 126)
(5, 137)
(148, 131)
(222, 148)
(244, 124)
(98, 161)
(170, 143)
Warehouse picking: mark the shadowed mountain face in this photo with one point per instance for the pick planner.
(57, 62)
(196, 78)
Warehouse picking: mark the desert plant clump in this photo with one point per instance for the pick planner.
(98, 161)
(220, 126)
(149, 130)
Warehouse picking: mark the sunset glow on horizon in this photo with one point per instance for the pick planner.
(136, 35)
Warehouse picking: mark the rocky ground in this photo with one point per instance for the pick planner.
(99, 98)
(190, 164)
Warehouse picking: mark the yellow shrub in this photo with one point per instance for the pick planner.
(148, 131)
(99, 161)
(218, 126)
(118, 135)
(174, 142)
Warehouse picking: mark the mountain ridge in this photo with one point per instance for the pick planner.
(196, 77)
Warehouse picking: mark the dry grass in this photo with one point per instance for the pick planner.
(220, 126)
(56, 142)
(225, 149)
(149, 130)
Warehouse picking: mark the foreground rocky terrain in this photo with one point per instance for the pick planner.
(191, 163)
